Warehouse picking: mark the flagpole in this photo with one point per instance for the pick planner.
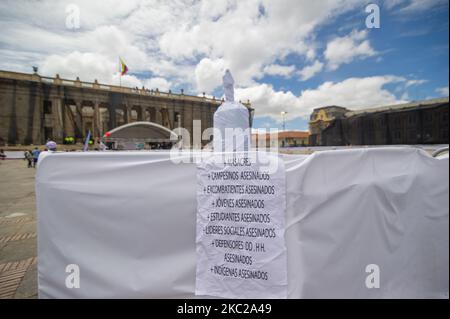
(120, 74)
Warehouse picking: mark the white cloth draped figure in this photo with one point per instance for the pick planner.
(231, 122)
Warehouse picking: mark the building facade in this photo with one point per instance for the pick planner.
(281, 139)
(421, 122)
(34, 108)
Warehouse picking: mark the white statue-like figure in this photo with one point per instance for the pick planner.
(231, 122)
(228, 86)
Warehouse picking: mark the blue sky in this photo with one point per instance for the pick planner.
(414, 46)
(285, 55)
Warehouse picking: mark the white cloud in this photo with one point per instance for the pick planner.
(405, 96)
(345, 49)
(309, 71)
(281, 70)
(126, 80)
(158, 83)
(208, 74)
(389, 4)
(310, 54)
(245, 38)
(87, 66)
(168, 39)
(443, 91)
(354, 93)
(414, 82)
(187, 44)
(94, 66)
(412, 6)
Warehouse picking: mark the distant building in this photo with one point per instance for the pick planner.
(421, 122)
(36, 108)
(282, 139)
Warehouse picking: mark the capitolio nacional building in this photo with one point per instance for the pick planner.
(35, 108)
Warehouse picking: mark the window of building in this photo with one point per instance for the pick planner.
(134, 115)
(47, 107)
(427, 134)
(379, 123)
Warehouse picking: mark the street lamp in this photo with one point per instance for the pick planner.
(283, 115)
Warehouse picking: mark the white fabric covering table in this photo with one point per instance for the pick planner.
(127, 219)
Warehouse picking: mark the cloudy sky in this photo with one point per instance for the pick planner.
(285, 55)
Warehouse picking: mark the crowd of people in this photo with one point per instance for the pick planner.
(32, 156)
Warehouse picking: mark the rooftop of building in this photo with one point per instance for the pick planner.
(330, 106)
(57, 80)
(400, 107)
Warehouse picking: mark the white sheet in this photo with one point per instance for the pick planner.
(127, 219)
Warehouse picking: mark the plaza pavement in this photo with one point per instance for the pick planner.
(18, 244)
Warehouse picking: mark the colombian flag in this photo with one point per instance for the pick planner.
(123, 67)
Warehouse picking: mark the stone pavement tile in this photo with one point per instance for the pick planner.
(17, 250)
(25, 205)
(29, 227)
(9, 229)
(4, 209)
(15, 220)
(9, 281)
(12, 274)
(18, 240)
(28, 286)
(16, 237)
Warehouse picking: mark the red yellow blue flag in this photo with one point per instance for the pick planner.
(123, 67)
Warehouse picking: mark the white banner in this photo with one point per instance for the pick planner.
(241, 251)
(128, 221)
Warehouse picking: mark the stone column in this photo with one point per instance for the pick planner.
(58, 120)
(165, 120)
(186, 119)
(143, 113)
(79, 120)
(170, 114)
(127, 114)
(67, 116)
(197, 126)
(37, 125)
(152, 114)
(140, 113)
(96, 123)
(158, 116)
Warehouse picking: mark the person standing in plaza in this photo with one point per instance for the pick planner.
(2, 155)
(29, 158)
(35, 154)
